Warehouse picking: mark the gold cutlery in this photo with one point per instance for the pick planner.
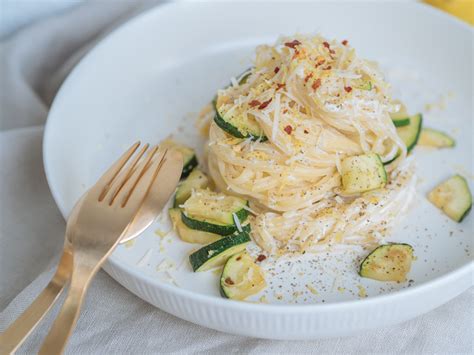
(123, 203)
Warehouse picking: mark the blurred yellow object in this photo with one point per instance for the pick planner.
(463, 9)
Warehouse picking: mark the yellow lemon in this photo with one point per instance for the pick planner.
(463, 9)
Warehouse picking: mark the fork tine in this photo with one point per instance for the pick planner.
(137, 187)
(126, 173)
(107, 178)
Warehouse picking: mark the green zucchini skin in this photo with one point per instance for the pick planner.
(453, 197)
(401, 122)
(217, 253)
(413, 127)
(209, 227)
(411, 133)
(362, 173)
(379, 257)
(189, 166)
(234, 131)
(196, 179)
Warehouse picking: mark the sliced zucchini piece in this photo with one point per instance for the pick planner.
(243, 79)
(187, 234)
(208, 226)
(241, 277)
(401, 117)
(217, 253)
(239, 126)
(433, 138)
(401, 122)
(390, 262)
(453, 197)
(362, 173)
(217, 207)
(196, 180)
(410, 133)
(189, 156)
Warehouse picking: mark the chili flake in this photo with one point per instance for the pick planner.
(279, 86)
(327, 68)
(345, 42)
(306, 131)
(347, 88)
(254, 103)
(261, 257)
(288, 129)
(309, 76)
(229, 281)
(293, 43)
(264, 104)
(276, 70)
(320, 62)
(316, 84)
(326, 44)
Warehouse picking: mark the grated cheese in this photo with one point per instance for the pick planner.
(237, 222)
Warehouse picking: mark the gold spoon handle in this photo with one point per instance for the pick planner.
(18, 331)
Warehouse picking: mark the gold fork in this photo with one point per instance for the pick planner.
(113, 200)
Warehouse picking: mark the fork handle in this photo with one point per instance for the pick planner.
(19, 330)
(65, 322)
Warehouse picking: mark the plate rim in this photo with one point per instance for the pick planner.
(459, 272)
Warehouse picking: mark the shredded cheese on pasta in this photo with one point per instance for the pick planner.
(316, 103)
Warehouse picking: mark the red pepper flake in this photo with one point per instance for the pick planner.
(347, 88)
(276, 70)
(306, 131)
(239, 258)
(261, 257)
(264, 104)
(279, 86)
(326, 44)
(345, 42)
(316, 84)
(327, 68)
(288, 129)
(332, 51)
(293, 43)
(229, 281)
(309, 76)
(320, 62)
(254, 103)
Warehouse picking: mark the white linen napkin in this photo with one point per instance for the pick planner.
(34, 63)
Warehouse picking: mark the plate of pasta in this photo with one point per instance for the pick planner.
(327, 174)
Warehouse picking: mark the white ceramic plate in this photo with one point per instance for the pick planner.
(150, 78)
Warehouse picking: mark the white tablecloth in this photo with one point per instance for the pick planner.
(34, 62)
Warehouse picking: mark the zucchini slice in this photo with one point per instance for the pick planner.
(208, 226)
(187, 234)
(241, 277)
(196, 180)
(189, 156)
(390, 262)
(401, 122)
(239, 126)
(217, 253)
(244, 78)
(362, 173)
(400, 118)
(213, 207)
(410, 133)
(433, 138)
(453, 197)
